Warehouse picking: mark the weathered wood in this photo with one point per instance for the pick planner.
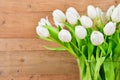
(36, 62)
(22, 56)
(42, 77)
(30, 6)
(25, 44)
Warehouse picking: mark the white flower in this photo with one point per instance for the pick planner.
(109, 11)
(43, 22)
(91, 11)
(86, 22)
(109, 28)
(80, 32)
(99, 12)
(42, 32)
(72, 15)
(116, 14)
(59, 17)
(97, 38)
(94, 12)
(64, 36)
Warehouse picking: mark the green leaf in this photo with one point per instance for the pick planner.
(57, 49)
(47, 39)
(109, 69)
(97, 67)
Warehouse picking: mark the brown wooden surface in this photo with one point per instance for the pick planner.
(22, 56)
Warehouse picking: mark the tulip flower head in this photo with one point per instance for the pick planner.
(97, 38)
(91, 11)
(72, 15)
(116, 14)
(43, 22)
(80, 32)
(109, 28)
(59, 17)
(64, 36)
(42, 32)
(86, 22)
(109, 11)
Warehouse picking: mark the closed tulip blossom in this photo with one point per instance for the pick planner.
(109, 28)
(59, 17)
(109, 11)
(97, 38)
(91, 11)
(86, 22)
(64, 36)
(116, 14)
(42, 32)
(72, 15)
(43, 22)
(80, 32)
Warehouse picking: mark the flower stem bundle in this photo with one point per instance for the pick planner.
(93, 39)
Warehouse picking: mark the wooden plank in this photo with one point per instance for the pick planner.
(81, 5)
(30, 6)
(25, 44)
(42, 77)
(20, 25)
(37, 62)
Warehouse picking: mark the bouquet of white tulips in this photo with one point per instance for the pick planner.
(93, 39)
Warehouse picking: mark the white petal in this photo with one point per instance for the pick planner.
(72, 15)
(116, 14)
(80, 32)
(97, 38)
(91, 12)
(43, 22)
(64, 36)
(42, 32)
(109, 11)
(86, 22)
(109, 28)
(58, 16)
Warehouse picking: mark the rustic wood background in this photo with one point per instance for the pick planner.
(22, 56)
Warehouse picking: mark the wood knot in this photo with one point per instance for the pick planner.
(29, 5)
(22, 60)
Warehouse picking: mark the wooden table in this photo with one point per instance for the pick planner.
(22, 56)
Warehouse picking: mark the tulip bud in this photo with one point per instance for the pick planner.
(72, 15)
(97, 38)
(43, 22)
(64, 36)
(42, 32)
(116, 14)
(91, 11)
(109, 11)
(109, 28)
(86, 22)
(58, 17)
(99, 12)
(80, 32)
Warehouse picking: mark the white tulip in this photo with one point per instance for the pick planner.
(86, 22)
(109, 11)
(72, 15)
(80, 32)
(42, 32)
(91, 12)
(64, 36)
(97, 38)
(116, 14)
(109, 28)
(99, 12)
(43, 22)
(58, 17)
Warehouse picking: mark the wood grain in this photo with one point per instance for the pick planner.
(43, 62)
(25, 44)
(22, 55)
